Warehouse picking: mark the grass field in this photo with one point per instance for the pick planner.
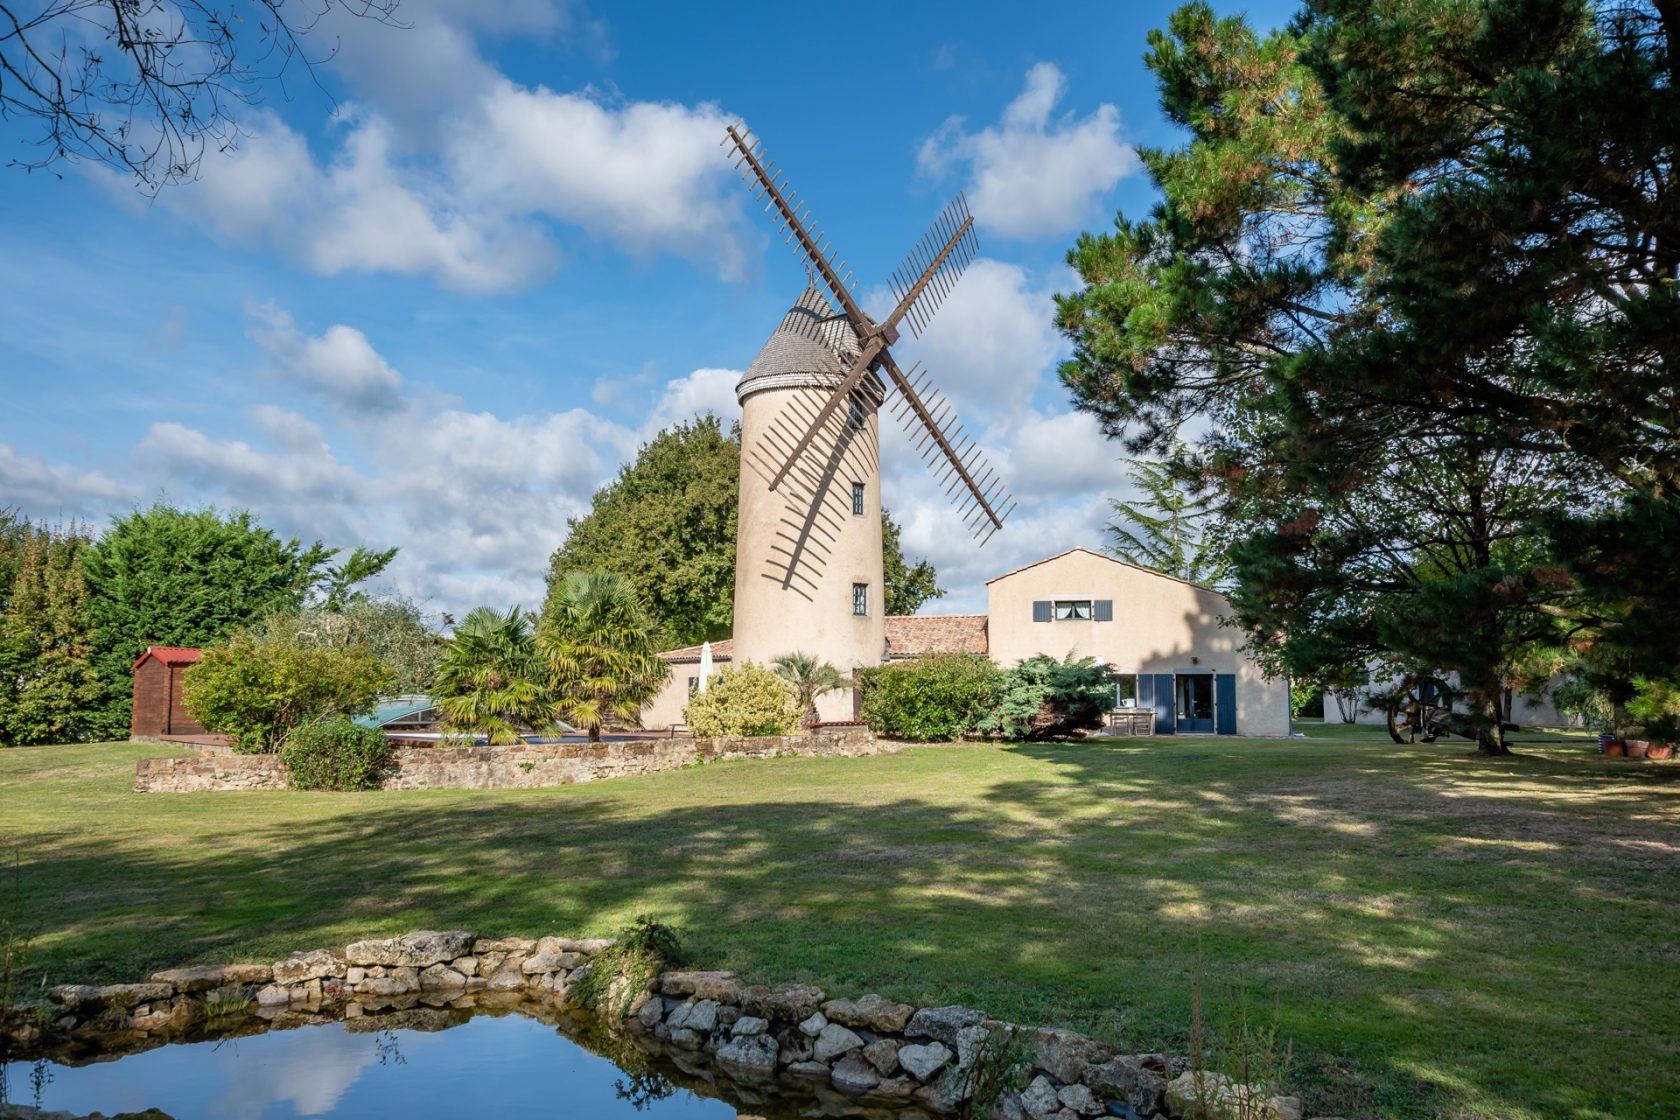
(1436, 934)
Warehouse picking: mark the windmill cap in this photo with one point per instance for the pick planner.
(811, 348)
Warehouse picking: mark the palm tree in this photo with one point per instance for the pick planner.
(810, 678)
(489, 681)
(599, 650)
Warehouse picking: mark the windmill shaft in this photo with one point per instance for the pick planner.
(861, 323)
(928, 273)
(920, 409)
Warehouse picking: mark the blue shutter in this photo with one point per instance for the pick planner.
(1103, 610)
(1041, 610)
(1225, 703)
(1164, 723)
(1145, 691)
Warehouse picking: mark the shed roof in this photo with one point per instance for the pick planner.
(170, 655)
(918, 635)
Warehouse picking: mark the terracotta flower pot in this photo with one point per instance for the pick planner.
(1636, 748)
(1660, 751)
(1615, 748)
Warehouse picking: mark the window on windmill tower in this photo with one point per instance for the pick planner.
(860, 599)
(854, 414)
(857, 499)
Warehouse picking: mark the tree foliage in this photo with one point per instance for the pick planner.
(1416, 274)
(168, 576)
(146, 86)
(667, 523)
(335, 754)
(599, 651)
(1166, 526)
(1044, 697)
(256, 690)
(390, 629)
(47, 681)
(747, 699)
(930, 699)
(490, 680)
(811, 678)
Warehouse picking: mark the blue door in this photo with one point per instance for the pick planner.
(1161, 690)
(1194, 696)
(1225, 703)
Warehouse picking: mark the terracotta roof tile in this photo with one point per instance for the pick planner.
(722, 650)
(170, 655)
(918, 635)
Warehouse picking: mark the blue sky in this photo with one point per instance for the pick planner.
(439, 302)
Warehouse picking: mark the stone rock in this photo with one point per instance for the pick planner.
(273, 995)
(751, 1054)
(419, 949)
(507, 980)
(834, 1040)
(942, 1023)
(748, 1025)
(540, 962)
(1008, 1107)
(870, 1012)
(883, 1055)
(355, 974)
(683, 982)
(1039, 1098)
(924, 1060)
(791, 1003)
(89, 996)
(382, 986)
(483, 945)
(679, 1015)
(814, 1070)
(247, 973)
(703, 1016)
(934, 1099)
(727, 1014)
(466, 966)
(1126, 1078)
(853, 1075)
(1064, 1055)
(1216, 1096)
(814, 1025)
(302, 967)
(441, 977)
(795, 1046)
(203, 978)
(650, 1014)
(1081, 1100)
(685, 1038)
(894, 1089)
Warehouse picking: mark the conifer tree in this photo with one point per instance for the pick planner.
(47, 682)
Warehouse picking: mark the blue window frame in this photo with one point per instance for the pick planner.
(857, 499)
(860, 599)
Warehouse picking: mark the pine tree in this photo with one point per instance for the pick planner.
(47, 681)
(1166, 527)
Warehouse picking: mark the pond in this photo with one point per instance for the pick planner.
(445, 1061)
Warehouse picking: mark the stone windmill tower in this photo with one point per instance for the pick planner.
(808, 551)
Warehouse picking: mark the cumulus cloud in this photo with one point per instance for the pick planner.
(1031, 175)
(705, 391)
(49, 492)
(340, 364)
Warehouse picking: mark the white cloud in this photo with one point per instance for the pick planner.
(1031, 176)
(43, 491)
(340, 364)
(703, 391)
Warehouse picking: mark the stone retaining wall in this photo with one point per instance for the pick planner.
(871, 1049)
(525, 766)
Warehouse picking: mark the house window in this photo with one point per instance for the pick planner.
(857, 499)
(1125, 690)
(1073, 610)
(860, 599)
(854, 414)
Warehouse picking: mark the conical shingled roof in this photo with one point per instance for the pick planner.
(810, 348)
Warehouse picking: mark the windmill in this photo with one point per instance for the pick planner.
(808, 551)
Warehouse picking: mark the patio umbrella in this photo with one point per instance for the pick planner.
(705, 664)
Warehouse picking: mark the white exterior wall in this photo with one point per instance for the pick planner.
(1159, 624)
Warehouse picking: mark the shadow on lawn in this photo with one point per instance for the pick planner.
(1087, 897)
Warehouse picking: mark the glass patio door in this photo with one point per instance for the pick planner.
(1195, 702)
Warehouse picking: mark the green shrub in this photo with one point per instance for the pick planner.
(335, 754)
(1043, 698)
(931, 699)
(746, 700)
(255, 690)
(1655, 708)
(626, 968)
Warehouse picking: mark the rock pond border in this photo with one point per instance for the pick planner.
(522, 766)
(711, 1024)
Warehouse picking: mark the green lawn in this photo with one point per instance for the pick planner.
(1435, 933)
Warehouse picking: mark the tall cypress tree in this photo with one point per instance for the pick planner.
(47, 681)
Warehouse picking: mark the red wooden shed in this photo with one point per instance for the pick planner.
(157, 693)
